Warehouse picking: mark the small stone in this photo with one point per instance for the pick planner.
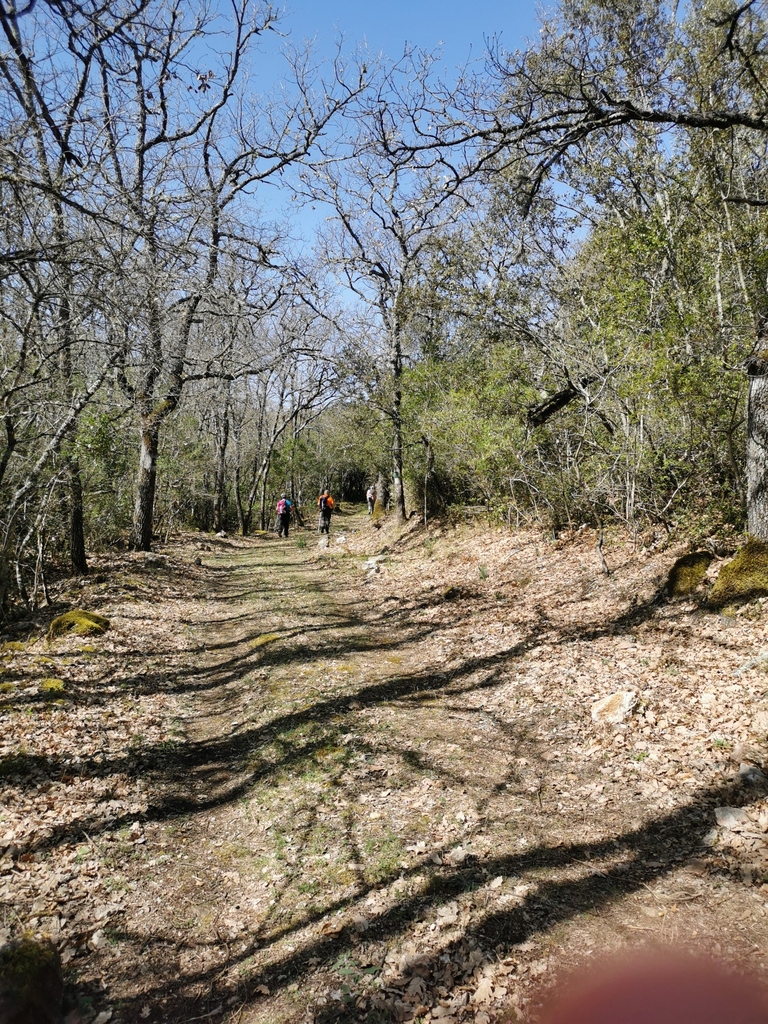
(731, 817)
(448, 915)
(747, 752)
(456, 856)
(615, 708)
(749, 775)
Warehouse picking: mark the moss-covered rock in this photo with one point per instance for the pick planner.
(31, 983)
(744, 577)
(14, 647)
(687, 573)
(53, 686)
(78, 621)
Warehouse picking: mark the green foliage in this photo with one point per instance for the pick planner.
(471, 410)
(107, 457)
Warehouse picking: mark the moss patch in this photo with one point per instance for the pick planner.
(51, 685)
(78, 621)
(31, 984)
(14, 647)
(687, 573)
(744, 577)
(265, 638)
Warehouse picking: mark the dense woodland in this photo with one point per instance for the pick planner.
(537, 284)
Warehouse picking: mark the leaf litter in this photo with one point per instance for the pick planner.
(404, 804)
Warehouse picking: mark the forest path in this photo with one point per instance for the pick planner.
(294, 784)
(409, 809)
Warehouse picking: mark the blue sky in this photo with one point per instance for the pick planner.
(460, 28)
(387, 25)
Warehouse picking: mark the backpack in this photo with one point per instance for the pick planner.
(282, 506)
(326, 503)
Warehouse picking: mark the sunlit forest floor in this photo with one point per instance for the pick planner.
(363, 782)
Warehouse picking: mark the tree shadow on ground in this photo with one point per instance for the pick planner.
(240, 757)
(639, 857)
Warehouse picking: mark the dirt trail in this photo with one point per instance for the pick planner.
(296, 785)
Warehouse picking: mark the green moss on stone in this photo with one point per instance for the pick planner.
(31, 983)
(51, 685)
(14, 647)
(78, 621)
(744, 577)
(687, 573)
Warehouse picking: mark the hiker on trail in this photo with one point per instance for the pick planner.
(370, 497)
(325, 507)
(283, 515)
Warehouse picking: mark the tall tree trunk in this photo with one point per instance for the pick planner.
(263, 498)
(382, 492)
(76, 527)
(396, 360)
(757, 445)
(219, 484)
(141, 539)
(429, 461)
(242, 523)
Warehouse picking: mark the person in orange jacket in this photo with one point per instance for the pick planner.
(325, 507)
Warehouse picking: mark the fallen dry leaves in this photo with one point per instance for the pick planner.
(364, 782)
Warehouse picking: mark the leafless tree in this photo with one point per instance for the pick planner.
(389, 196)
